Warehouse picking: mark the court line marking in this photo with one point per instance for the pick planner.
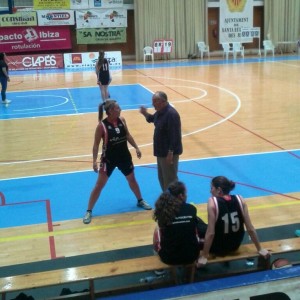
(66, 88)
(286, 64)
(75, 230)
(137, 165)
(72, 100)
(65, 112)
(221, 115)
(119, 225)
(38, 108)
(224, 119)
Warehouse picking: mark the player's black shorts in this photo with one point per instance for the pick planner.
(104, 78)
(107, 167)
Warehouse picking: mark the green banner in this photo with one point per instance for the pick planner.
(27, 18)
(101, 35)
(51, 4)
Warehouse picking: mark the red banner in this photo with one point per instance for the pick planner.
(37, 38)
(35, 62)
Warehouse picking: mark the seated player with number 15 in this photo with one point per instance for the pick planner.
(227, 216)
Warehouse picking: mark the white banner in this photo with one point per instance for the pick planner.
(162, 46)
(234, 14)
(106, 3)
(79, 4)
(87, 60)
(55, 17)
(168, 44)
(83, 4)
(248, 34)
(101, 18)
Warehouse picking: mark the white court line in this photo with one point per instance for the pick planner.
(237, 99)
(286, 64)
(71, 87)
(38, 108)
(72, 100)
(137, 165)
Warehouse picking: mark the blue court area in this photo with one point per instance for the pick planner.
(255, 174)
(67, 101)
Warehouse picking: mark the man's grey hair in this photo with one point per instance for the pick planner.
(161, 95)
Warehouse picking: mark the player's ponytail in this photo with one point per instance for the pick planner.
(101, 58)
(100, 112)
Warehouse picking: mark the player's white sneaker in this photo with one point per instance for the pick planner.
(87, 217)
(6, 101)
(143, 204)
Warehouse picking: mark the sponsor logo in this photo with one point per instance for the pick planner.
(35, 62)
(11, 37)
(30, 35)
(76, 58)
(115, 33)
(236, 5)
(47, 60)
(57, 16)
(15, 19)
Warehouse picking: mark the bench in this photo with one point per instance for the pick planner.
(90, 273)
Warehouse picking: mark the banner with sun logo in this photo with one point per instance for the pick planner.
(234, 15)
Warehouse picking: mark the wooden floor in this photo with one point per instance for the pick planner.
(226, 109)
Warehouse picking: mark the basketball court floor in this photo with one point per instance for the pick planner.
(240, 119)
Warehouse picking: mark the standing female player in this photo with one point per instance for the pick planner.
(4, 78)
(103, 75)
(115, 153)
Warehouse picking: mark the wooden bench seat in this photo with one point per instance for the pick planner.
(129, 266)
(249, 251)
(79, 274)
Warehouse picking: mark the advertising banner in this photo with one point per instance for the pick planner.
(51, 4)
(35, 62)
(249, 33)
(55, 17)
(24, 39)
(87, 60)
(101, 18)
(83, 4)
(80, 4)
(105, 3)
(26, 18)
(162, 46)
(101, 35)
(234, 15)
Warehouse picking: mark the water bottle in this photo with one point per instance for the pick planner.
(250, 262)
(148, 279)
